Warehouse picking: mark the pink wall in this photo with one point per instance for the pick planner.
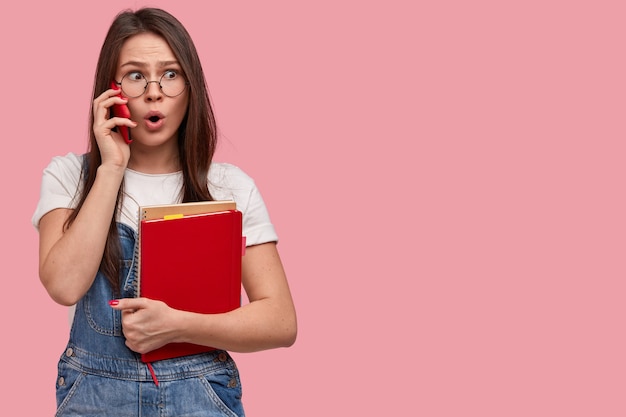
(447, 179)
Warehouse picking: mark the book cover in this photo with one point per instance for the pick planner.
(191, 262)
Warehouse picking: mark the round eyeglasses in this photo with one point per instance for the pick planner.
(171, 83)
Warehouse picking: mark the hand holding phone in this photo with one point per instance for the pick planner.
(121, 110)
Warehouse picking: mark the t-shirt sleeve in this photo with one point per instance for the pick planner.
(230, 182)
(59, 185)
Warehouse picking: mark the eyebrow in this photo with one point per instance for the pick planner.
(144, 64)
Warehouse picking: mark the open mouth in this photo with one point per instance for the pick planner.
(154, 120)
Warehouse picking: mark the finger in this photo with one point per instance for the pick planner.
(121, 121)
(104, 101)
(111, 92)
(106, 98)
(108, 128)
(132, 304)
(121, 127)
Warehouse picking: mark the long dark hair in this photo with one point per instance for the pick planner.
(197, 134)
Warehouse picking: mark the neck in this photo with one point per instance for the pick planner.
(154, 160)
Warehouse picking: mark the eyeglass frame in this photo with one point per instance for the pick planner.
(145, 88)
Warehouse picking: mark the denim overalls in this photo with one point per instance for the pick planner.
(100, 376)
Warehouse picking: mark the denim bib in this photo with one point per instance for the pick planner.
(99, 375)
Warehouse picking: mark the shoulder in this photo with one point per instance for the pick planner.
(59, 185)
(227, 180)
(69, 164)
(223, 173)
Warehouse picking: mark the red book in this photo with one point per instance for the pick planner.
(191, 260)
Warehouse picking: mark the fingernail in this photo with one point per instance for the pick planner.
(113, 302)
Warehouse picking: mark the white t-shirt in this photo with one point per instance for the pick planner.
(226, 182)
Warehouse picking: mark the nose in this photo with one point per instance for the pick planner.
(153, 92)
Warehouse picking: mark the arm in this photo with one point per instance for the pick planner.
(268, 321)
(69, 259)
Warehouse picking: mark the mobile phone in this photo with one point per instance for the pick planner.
(121, 110)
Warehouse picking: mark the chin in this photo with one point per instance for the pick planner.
(154, 139)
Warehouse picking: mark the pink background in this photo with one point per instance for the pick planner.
(447, 179)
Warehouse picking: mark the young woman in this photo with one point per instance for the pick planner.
(87, 222)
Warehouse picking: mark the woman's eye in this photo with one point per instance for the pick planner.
(170, 75)
(135, 76)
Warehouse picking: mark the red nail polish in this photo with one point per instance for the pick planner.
(113, 302)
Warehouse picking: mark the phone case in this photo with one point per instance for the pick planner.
(121, 110)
